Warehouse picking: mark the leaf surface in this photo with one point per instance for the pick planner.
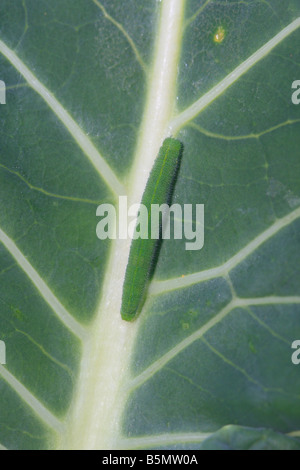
(92, 88)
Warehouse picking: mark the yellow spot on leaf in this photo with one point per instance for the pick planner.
(219, 35)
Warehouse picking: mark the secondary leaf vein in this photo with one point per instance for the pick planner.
(65, 317)
(199, 334)
(158, 287)
(48, 193)
(73, 128)
(256, 135)
(48, 355)
(161, 440)
(124, 32)
(196, 108)
(45, 415)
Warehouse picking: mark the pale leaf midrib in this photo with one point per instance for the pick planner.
(148, 140)
(94, 422)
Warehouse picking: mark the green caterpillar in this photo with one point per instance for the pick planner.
(143, 250)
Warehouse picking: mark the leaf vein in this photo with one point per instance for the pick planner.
(159, 287)
(73, 128)
(196, 108)
(125, 34)
(256, 135)
(48, 193)
(45, 415)
(199, 334)
(65, 317)
(161, 440)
